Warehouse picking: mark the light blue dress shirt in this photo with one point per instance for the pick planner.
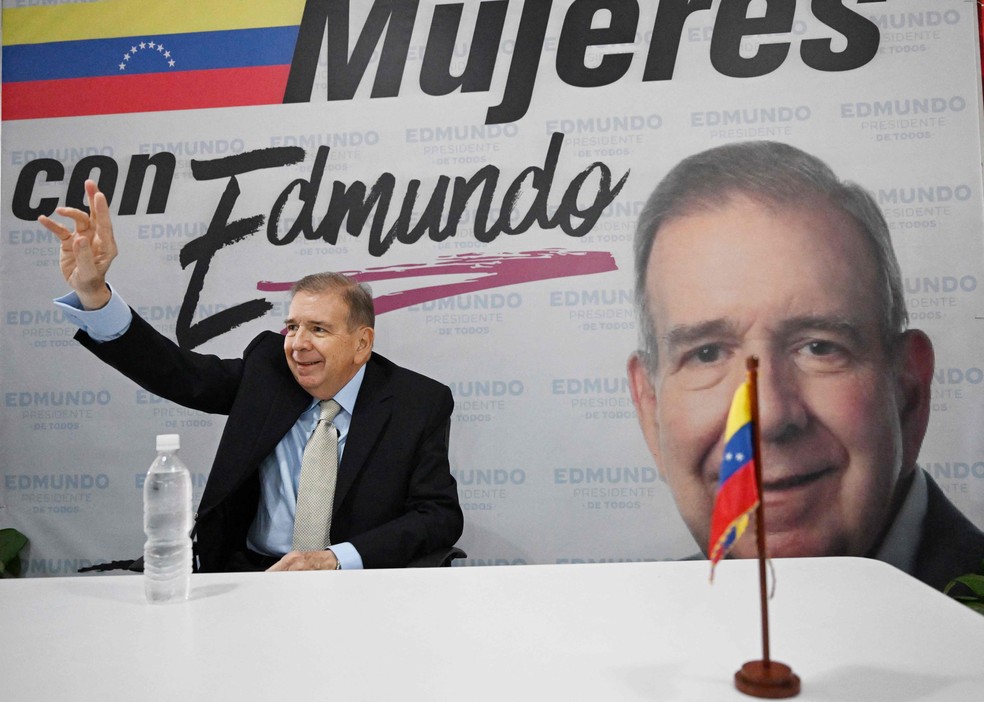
(273, 526)
(280, 473)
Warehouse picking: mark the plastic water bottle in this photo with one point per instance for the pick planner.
(167, 523)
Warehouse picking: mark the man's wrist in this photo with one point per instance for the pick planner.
(347, 555)
(95, 299)
(105, 324)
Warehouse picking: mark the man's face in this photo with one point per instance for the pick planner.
(796, 287)
(322, 352)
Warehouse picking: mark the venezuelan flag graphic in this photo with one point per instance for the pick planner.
(738, 493)
(125, 56)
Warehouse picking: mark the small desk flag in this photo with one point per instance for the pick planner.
(738, 493)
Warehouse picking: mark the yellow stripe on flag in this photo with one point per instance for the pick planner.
(740, 412)
(125, 18)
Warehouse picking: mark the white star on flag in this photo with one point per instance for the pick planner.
(147, 45)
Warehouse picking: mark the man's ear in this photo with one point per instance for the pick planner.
(363, 349)
(916, 362)
(644, 399)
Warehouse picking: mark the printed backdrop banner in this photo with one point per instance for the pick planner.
(481, 165)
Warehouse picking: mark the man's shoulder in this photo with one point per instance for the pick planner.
(266, 343)
(394, 378)
(951, 545)
(944, 518)
(264, 357)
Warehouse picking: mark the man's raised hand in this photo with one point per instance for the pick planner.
(88, 251)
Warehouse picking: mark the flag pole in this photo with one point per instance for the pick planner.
(752, 368)
(763, 678)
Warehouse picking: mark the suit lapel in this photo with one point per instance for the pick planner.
(257, 432)
(372, 414)
(286, 404)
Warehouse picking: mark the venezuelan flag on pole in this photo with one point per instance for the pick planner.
(738, 493)
(124, 56)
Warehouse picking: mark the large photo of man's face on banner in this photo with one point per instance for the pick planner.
(759, 249)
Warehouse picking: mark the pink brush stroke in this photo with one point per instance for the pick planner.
(486, 271)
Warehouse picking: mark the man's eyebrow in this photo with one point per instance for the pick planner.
(689, 334)
(685, 335)
(310, 323)
(842, 326)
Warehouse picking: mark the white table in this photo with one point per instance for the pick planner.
(852, 629)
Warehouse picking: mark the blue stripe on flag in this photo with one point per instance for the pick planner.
(193, 51)
(737, 452)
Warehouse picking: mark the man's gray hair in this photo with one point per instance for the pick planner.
(358, 296)
(775, 173)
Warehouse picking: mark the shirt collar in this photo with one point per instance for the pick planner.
(350, 391)
(902, 540)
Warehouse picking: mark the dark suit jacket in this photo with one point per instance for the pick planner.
(950, 545)
(395, 498)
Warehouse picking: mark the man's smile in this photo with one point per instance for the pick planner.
(795, 481)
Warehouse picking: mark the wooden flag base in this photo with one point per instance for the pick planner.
(767, 679)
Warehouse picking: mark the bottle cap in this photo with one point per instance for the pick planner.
(168, 442)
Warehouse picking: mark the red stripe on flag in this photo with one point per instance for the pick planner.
(150, 92)
(737, 496)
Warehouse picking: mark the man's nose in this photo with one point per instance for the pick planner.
(302, 340)
(781, 409)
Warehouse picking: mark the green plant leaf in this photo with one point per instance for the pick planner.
(976, 606)
(974, 582)
(11, 543)
(971, 581)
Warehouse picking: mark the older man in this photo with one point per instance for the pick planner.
(393, 499)
(758, 249)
